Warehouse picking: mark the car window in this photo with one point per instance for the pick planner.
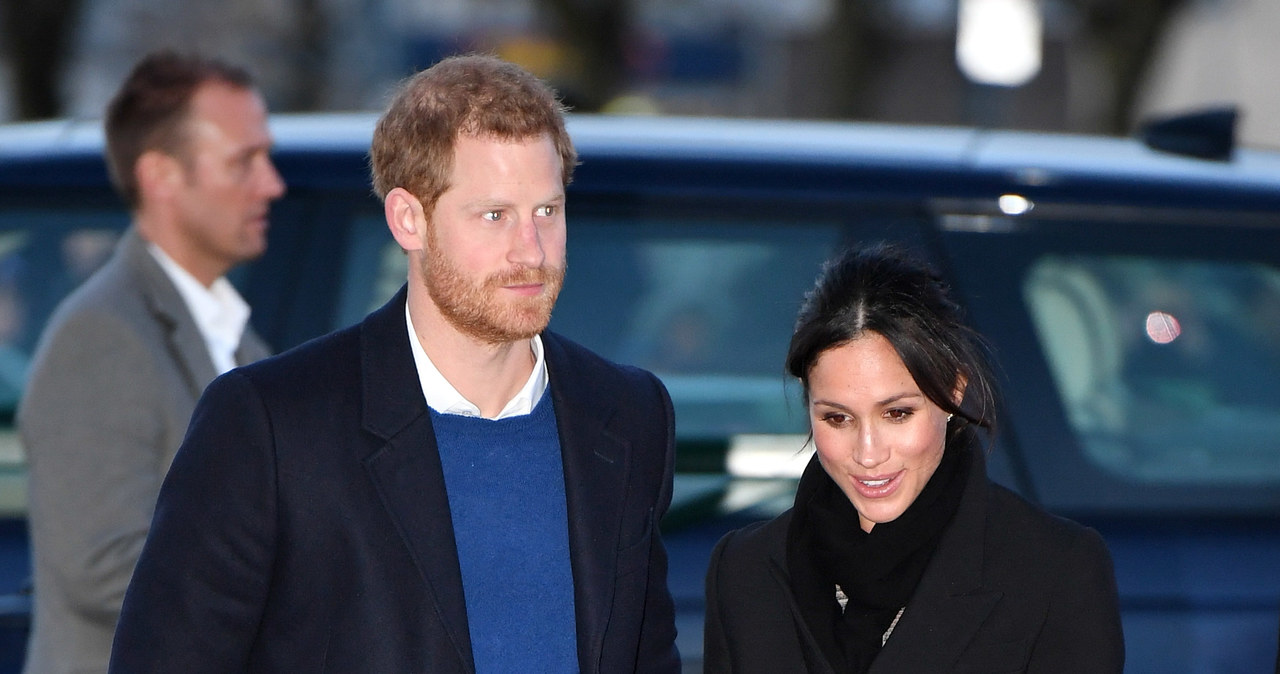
(374, 268)
(44, 254)
(1168, 368)
(705, 304)
(1137, 369)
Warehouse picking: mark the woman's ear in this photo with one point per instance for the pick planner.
(406, 218)
(957, 394)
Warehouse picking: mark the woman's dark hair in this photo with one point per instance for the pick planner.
(884, 290)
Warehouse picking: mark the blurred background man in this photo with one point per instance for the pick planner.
(124, 358)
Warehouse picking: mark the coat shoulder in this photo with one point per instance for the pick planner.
(1015, 519)
(577, 358)
(340, 346)
(747, 551)
(1025, 540)
(606, 383)
(113, 293)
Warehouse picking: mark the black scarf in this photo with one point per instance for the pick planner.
(878, 571)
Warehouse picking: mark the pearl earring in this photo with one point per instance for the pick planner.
(949, 417)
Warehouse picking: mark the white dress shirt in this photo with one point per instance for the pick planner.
(444, 398)
(219, 311)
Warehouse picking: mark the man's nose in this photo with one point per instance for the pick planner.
(526, 245)
(270, 181)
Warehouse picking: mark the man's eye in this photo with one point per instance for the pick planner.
(545, 211)
(492, 216)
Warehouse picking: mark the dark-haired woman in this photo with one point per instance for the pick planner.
(899, 554)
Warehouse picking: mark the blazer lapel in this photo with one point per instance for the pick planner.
(251, 347)
(950, 604)
(406, 468)
(595, 474)
(184, 341)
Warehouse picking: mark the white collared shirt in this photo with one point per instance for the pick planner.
(219, 311)
(444, 398)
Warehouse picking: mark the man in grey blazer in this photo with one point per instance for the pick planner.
(125, 357)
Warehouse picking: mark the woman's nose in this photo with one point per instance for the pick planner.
(868, 451)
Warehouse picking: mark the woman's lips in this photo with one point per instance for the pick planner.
(878, 486)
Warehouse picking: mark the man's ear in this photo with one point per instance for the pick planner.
(157, 173)
(405, 218)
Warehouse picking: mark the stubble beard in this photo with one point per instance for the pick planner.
(477, 309)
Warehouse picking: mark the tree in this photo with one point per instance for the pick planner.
(1126, 33)
(595, 32)
(36, 35)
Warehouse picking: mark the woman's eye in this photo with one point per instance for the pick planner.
(898, 414)
(545, 211)
(835, 418)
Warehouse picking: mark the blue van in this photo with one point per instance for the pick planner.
(1131, 297)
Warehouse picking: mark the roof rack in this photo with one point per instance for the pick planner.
(1209, 133)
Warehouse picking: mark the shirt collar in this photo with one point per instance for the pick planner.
(220, 313)
(444, 398)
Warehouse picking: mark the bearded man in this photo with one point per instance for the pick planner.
(447, 486)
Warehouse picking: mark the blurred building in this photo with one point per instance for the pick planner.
(1222, 52)
(878, 60)
(306, 54)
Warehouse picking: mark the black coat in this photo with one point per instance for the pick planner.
(1010, 588)
(304, 526)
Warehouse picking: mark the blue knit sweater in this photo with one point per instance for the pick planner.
(505, 482)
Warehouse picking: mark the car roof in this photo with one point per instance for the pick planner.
(835, 156)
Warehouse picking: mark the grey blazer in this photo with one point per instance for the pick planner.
(113, 383)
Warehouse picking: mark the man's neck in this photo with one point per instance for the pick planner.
(175, 247)
(487, 375)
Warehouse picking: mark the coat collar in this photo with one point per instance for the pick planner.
(407, 472)
(946, 609)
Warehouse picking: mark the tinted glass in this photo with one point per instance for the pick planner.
(707, 305)
(1168, 367)
(1140, 356)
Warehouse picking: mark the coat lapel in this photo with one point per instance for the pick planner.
(407, 473)
(596, 461)
(183, 338)
(406, 467)
(815, 661)
(950, 604)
